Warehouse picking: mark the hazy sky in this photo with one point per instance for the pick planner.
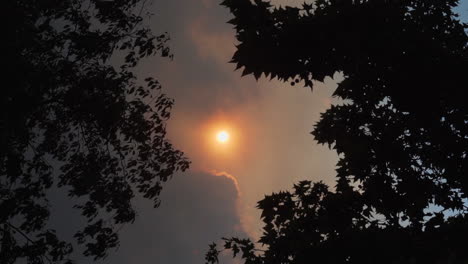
(270, 148)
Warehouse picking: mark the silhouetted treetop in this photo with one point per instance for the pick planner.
(404, 64)
(328, 36)
(313, 224)
(71, 119)
(401, 131)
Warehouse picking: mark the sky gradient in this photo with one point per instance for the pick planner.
(270, 148)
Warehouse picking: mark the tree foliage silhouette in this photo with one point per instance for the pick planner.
(402, 131)
(70, 118)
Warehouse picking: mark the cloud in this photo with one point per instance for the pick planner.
(197, 208)
(210, 44)
(227, 175)
(248, 221)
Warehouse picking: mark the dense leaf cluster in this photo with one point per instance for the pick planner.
(402, 133)
(71, 119)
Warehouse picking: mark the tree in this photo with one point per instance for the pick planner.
(401, 131)
(71, 119)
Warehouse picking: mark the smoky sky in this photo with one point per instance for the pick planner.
(197, 208)
(274, 149)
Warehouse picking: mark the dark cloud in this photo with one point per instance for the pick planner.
(197, 209)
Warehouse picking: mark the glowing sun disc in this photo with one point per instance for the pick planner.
(222, 136)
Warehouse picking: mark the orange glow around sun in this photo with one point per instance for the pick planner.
(221, 142)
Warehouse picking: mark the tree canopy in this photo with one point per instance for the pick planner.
(401, 132)
(71, 119)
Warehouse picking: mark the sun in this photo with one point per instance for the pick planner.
(222, 136)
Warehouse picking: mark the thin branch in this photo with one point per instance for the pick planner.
(29, 240)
